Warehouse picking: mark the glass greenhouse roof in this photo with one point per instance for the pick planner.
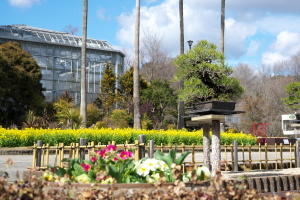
(24, 32)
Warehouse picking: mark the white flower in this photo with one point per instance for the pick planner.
(108, 180)
(149, 179)
(152, 164)
(204, 170)
(142, 170)
(48, 176)
(137, 163)
(185, 178)
(162, 165)
(64, 180)
(83, 178)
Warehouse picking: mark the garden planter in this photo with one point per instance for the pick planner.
(119, 187)
(215, 105)
(117, 191)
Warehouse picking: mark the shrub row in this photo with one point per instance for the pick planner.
(27, 137)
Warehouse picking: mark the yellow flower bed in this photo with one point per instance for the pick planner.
(27, 137)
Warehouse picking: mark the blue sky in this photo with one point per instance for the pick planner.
(258, 32)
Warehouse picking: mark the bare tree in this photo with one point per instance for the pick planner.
(264, 90)
(71, 29)
(156, 64)
(83, 105)
(136, 80)
(129, 58)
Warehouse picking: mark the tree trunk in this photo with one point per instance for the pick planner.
(216, 148)
(136, 82)
(222, 26)
(83, 65)
(180, 121)
(206, 145)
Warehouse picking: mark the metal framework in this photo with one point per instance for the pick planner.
(59, 56)
(24, 32)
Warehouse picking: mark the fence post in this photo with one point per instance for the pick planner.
(39, 153)
(151, 148)
(82, 142)
(236, 166)
(297, 154)
(142, 149)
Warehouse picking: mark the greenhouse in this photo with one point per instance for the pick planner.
(59, 56)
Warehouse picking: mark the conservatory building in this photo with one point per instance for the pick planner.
(59, 56)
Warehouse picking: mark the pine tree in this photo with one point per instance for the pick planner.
(109, 97)
(20, 87)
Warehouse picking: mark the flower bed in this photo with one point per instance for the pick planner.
(27, 137)
(111, 166)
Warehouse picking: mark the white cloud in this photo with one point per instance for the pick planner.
(286, 45)
(269, 58)
(161, 19)
(249, 26)
(235, 35)
(253, 47)
(199, 23)
(23, 3)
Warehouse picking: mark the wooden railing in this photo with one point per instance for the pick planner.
(234, 157)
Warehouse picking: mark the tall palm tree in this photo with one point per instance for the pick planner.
(83, 64)
(222, 26)
(180, 120)
(136, 82)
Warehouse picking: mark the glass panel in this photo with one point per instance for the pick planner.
(49, 51)
(76, 54)
(113, 58)
(66, 85)
(68, 53)
(35, 49)
(62, 52)
(47, 84)
(47, 74)
(56, 51)
(48, 95)
(43, 49)
(105, 57)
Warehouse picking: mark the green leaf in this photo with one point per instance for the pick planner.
(164, 158)
(78, 168)
(88, 162)
(157, 154)
(92, 174)
(172, 154)
(60, 172)
(75, 173)
(181, 158)
(113, 171)
(127, 179)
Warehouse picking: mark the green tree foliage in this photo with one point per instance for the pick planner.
(94, 114)
(162, 96)
(109, 97)
(20, 87)
(293, 98)
(126, 86)
(120, 118)
(67, 115)
(205, 75)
